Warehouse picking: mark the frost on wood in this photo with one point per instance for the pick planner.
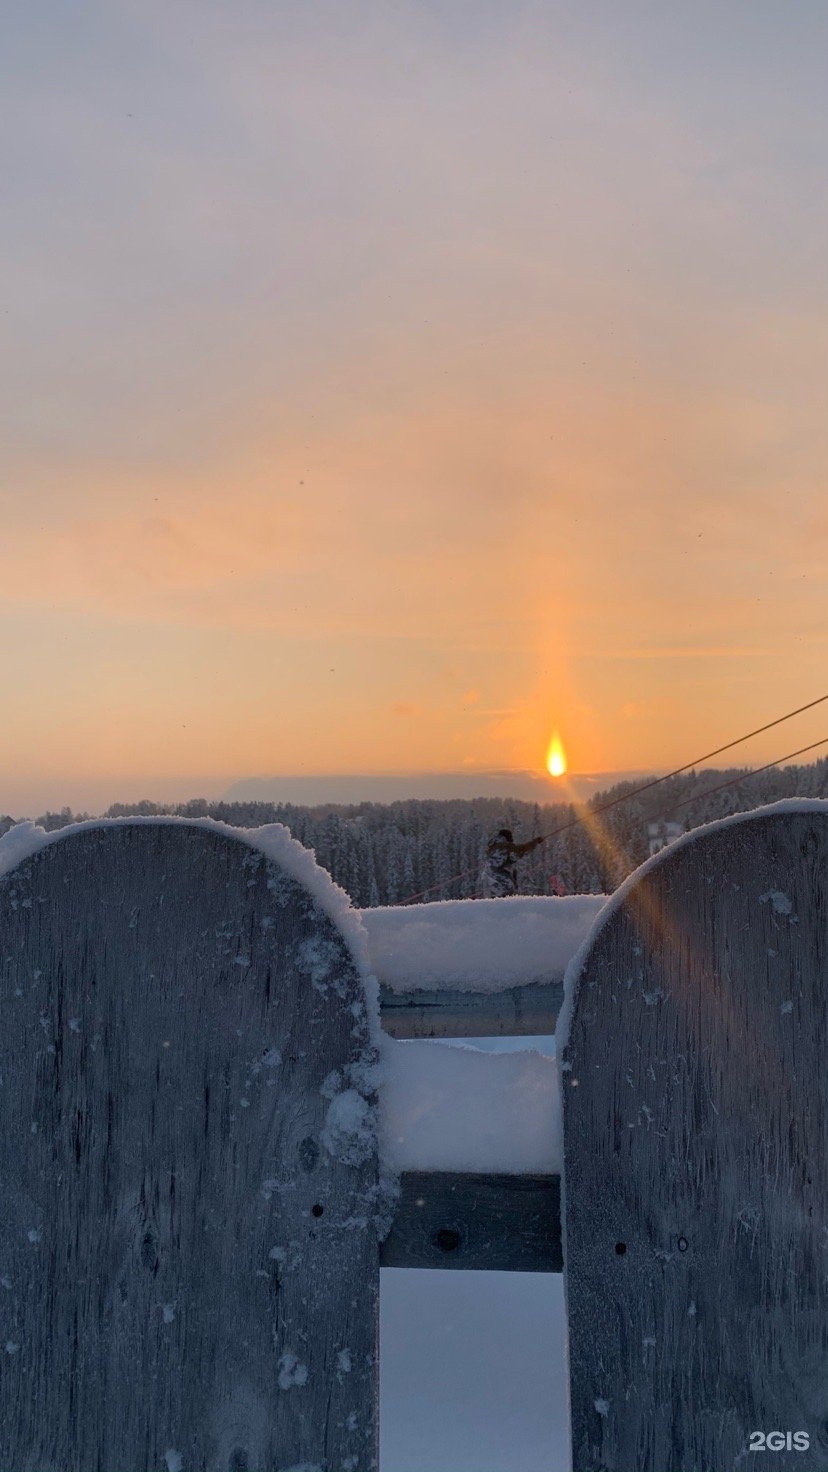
(349, 1132)
(181, 1246)
(695, 1181)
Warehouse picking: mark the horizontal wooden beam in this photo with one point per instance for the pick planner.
(484, 1222)
(519, 1012)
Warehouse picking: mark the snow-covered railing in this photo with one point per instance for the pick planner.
(210, 1146)
(476, 968)
(475, 1139)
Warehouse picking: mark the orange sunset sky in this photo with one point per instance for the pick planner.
(385, 385)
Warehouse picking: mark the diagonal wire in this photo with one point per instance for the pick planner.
(732, 782)
(688, 766)
(656, 782)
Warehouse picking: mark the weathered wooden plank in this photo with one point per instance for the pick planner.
(520, 1011)
(696, 1160)
(486, 1222)
(189, 1273)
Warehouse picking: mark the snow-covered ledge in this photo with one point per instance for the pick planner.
(476, 968)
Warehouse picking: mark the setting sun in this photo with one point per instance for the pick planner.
(556, 757)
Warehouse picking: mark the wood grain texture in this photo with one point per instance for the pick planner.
(695, 1196)
(484, 1222)
(520, 1011)
(188, 1271)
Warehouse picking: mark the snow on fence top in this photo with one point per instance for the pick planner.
(478, 945)
(274, 840)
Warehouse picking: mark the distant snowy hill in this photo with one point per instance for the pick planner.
(526, 786)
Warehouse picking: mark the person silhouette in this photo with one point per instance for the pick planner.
(502, 854)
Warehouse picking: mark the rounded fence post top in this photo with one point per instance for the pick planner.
(273, 840)
(775, 815)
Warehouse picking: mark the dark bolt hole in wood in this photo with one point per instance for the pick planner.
(620, 1248)
(447, 1239)
(317, 1210)
(682, 1244)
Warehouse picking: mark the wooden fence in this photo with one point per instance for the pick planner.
(192, 1215)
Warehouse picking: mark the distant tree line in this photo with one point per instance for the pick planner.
(382, 853)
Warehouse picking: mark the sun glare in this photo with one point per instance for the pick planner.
(556, 757)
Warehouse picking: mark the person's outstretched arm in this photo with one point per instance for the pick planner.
(526, 848)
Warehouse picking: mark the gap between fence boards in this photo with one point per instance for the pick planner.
(476, 1221)
(519, 1011)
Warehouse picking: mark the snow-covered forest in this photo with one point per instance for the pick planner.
(383, 853)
